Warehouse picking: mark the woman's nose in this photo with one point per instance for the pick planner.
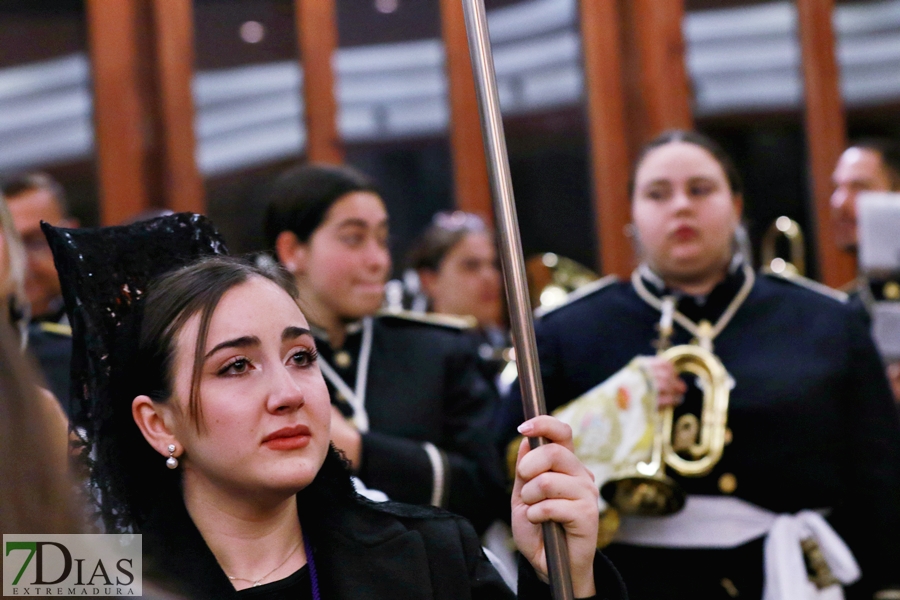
(377, 256)
(681, 200)
(286, 393)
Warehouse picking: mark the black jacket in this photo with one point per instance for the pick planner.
(424, 385)
(811, 413)
(51, 344)
(362, 551)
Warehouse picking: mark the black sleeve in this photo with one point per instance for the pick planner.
(510, 414)
(869, 519)
(607, 580)
(472, 480)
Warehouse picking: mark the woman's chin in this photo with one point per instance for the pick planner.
(361, 305)
(291, 476)
(687, 267)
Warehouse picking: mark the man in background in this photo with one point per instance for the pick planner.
(868, 165)
(32, 198)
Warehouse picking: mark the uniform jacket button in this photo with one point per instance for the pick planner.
(727, 483)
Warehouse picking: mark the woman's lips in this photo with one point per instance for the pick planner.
(684, 233)
(288, 438)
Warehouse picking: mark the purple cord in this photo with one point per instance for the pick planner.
(313, 576)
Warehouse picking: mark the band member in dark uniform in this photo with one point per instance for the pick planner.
(811, 426)
(411, 407)
(455, 261)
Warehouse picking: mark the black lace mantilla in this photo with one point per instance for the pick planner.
(104, 273)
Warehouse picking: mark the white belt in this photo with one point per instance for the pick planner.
(721, 522)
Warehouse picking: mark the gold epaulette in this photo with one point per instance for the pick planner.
(853, 285)
(56, 328)
(439, 319)
(813, 285)
(583, 291)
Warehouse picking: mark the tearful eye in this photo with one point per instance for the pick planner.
(304, 358)
(238, 366)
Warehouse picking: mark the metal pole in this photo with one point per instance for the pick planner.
(513, 263)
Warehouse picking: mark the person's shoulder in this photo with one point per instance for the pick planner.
(583, 297)
(429, 521)
(807, 290)
(407, 319)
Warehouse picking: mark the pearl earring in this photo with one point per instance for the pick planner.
(172, 462)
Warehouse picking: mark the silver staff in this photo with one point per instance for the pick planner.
(510, 249)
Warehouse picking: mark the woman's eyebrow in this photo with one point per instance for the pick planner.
(292, 333)
(353, 222)
(660, 181)
(241, 342)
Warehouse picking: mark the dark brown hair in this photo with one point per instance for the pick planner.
(299, 199)
(447, 229)
(888, 150)
(14, 186)
(735, 183)
(37, 495)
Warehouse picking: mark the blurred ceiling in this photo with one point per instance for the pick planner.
(391, 83)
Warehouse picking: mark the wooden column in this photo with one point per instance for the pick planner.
(657, 88)
(826, 130)
(174, 44)
(470, 176)
(602, 47)
(318, 41)
(120, 113)
(664, 80)
(141, 60)
(637, 86)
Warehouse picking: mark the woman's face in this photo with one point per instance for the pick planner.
(684, 212)
(346, 262)
(467, 281)
(264, 408)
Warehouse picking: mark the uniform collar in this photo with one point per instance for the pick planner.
(709, 306)
(350, 328)
(732, 280)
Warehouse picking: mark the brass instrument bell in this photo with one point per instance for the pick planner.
(552, 277)
(691, 446)
(771, 262)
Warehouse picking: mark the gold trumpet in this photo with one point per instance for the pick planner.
(691, 447)
(789, 229)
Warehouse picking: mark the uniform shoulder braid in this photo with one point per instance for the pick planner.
(812, 285)
(60, 329)
(457, 322)
(582, 292)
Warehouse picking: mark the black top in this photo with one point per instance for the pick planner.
(812, 416)
(296, 586)
(51, 345)
(424, 385)
(362, 551)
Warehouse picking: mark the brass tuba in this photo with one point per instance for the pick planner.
(771, 262)
(552, 277)
(691, 446)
